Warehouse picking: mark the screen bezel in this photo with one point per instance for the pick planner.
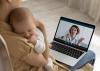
(77, 23)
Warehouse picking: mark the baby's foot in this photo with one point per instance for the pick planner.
(49, 66)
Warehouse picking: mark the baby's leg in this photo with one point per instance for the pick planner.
(49, 66)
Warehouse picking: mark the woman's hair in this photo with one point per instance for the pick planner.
(78, 30)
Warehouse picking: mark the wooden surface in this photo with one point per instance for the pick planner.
(63, 67)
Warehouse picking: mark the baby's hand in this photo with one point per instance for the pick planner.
(33, 39)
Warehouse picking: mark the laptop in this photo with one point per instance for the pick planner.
(71, 40)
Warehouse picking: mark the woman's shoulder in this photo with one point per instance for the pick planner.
(4, 26)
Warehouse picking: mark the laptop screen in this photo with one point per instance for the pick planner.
(74, 33)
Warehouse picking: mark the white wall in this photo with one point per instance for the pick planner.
(91, 7)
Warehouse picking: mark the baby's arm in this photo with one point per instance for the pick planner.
(49, 66)
(40, 44)
(41, 26)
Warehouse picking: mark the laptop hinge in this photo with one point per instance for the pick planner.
(69, 46)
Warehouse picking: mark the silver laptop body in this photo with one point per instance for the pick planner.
(66, 51)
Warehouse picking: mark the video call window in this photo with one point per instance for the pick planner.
(74, 33)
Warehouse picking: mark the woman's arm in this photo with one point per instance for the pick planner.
(35, 59)
(38, 59)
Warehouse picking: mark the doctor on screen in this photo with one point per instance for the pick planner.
(72, 36)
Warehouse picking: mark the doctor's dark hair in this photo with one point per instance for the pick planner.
(78, 30)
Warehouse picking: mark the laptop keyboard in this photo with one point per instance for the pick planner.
(66, 50)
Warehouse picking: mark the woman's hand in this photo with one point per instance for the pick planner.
(35, 59)
(80, 40)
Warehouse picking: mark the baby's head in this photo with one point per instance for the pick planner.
(23, 22)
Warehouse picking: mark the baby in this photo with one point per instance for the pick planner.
(24, 24)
